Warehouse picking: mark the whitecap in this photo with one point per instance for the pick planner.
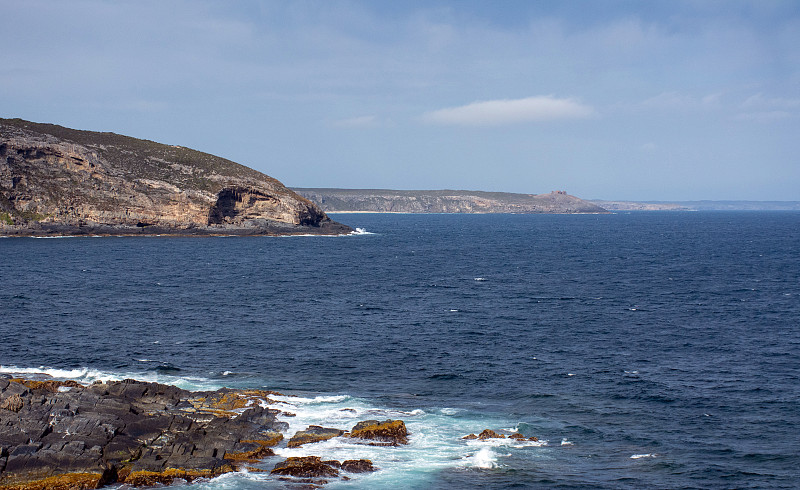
(566, 442)
(485, 458)
(639, 456)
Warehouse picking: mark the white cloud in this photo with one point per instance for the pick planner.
(762, 109)
(759, 101)
(764, 116)
(356, 122)
(677, 100)
(510, 111)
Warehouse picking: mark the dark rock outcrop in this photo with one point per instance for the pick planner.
(314, 433)
(490, 434)
(63, 434)
(358, 466)
(386, 433)
(306, 467)
(55, 180)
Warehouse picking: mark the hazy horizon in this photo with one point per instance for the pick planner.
(620, 100)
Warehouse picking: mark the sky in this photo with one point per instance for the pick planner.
(621, 100)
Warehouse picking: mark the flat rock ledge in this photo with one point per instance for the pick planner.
(64, 435)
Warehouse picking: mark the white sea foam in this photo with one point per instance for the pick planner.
(361, 231)
(87, 376)
(435, 434)
(565, 442)
(485, 458)
(639, 456)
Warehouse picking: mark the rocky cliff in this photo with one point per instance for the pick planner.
(55, 180)
(446, 201)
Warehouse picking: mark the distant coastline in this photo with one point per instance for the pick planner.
(704, 205)
(340, 200)
(332, 200)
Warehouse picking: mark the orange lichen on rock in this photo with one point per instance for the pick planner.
(389, 431)
(490, 434)
(314, 433)
(68, 481)
(305, 467)
(50, 385)
(470, 437)
(273, 440)
(168, 476)
(261, 450)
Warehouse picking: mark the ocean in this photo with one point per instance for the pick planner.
(644, 350)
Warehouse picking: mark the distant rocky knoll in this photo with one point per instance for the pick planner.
(445, 201)
(55, 180)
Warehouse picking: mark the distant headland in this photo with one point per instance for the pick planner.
(60, 181)
(446, 201)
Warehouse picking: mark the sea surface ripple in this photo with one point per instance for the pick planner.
(656, 350)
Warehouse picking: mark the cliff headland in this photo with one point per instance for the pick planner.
(60, 181)
(446, 201)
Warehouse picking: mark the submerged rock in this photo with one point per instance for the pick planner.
(358, 466)
(388, 432)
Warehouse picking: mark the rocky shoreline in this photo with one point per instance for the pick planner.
(94, 229)
(61, 434)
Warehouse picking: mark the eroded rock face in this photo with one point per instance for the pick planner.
(58, 180)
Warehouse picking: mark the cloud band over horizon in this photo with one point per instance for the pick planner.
(510, 111)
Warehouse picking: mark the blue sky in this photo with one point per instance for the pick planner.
(639, 100)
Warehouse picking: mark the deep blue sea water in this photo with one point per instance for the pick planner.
(644, 350)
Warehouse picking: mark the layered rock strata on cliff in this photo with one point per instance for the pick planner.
(55, 180)
(446, 201)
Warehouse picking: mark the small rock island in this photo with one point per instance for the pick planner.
(60, 181)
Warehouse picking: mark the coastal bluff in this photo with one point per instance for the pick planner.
(60, 181)
(446, 201)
